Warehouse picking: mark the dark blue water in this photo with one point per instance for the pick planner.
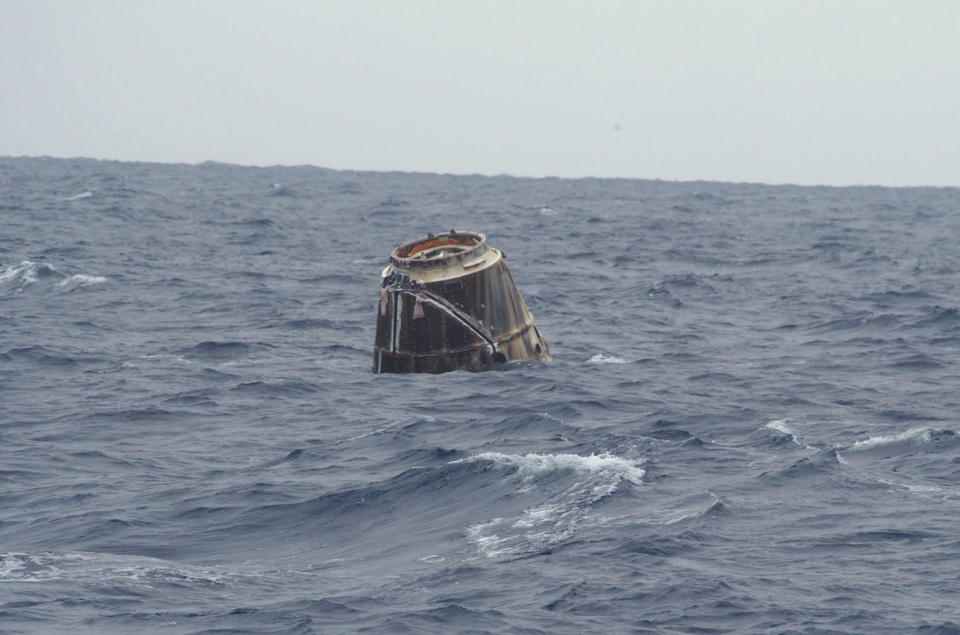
(751, 423)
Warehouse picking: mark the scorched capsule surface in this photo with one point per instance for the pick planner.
(448, 302)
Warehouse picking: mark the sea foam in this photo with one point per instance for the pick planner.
(531, 465)
(562, 487)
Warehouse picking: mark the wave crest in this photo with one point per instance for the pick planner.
(912, 436)
(79, 281)
(552, 514)
(16, 278)
(530, 466)
(600, 358)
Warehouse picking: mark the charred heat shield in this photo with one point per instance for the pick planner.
(448, 302)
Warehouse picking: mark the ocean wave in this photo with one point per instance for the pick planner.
(600, 358)
(45, 356)
(916, 361)
(940, 317)
(670, 435)
(573, 484)
(660, 294)
(919, 460)
(684, 509)
(277, 388)
(211, 350)
(661, 546)
(905, 297)
(309, 323)
(530, 466)
(871, 539)
(15, 278)
(863, 320)
(253, 222)
(805, 469)
(786, 405)
(79, 281)
(782, 427)
(280, 189)
(79, 197)
(901, 444)
(133, 572)
(907, 438)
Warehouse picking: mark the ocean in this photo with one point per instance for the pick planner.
(750, 423)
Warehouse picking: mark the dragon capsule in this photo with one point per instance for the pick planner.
(448, 302)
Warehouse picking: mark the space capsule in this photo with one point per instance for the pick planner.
(448, 302)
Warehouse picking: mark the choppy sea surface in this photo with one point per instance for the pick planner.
(751, 422)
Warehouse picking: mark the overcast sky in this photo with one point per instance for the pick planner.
(775, 91)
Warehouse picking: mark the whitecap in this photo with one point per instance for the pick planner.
(555, 512)
(15, 278)
(80, 196)
(141, 572)
(600, 358)
(924, 489)
(901, 444)
(531, 465)
(489, 542)
(783, 427)
(12, 566)
(914, 435)
(78, 281)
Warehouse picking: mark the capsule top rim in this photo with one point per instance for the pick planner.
(442, 250)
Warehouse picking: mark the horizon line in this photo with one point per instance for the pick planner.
(490, 175)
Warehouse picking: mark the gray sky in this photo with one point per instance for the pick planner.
(775, 91)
